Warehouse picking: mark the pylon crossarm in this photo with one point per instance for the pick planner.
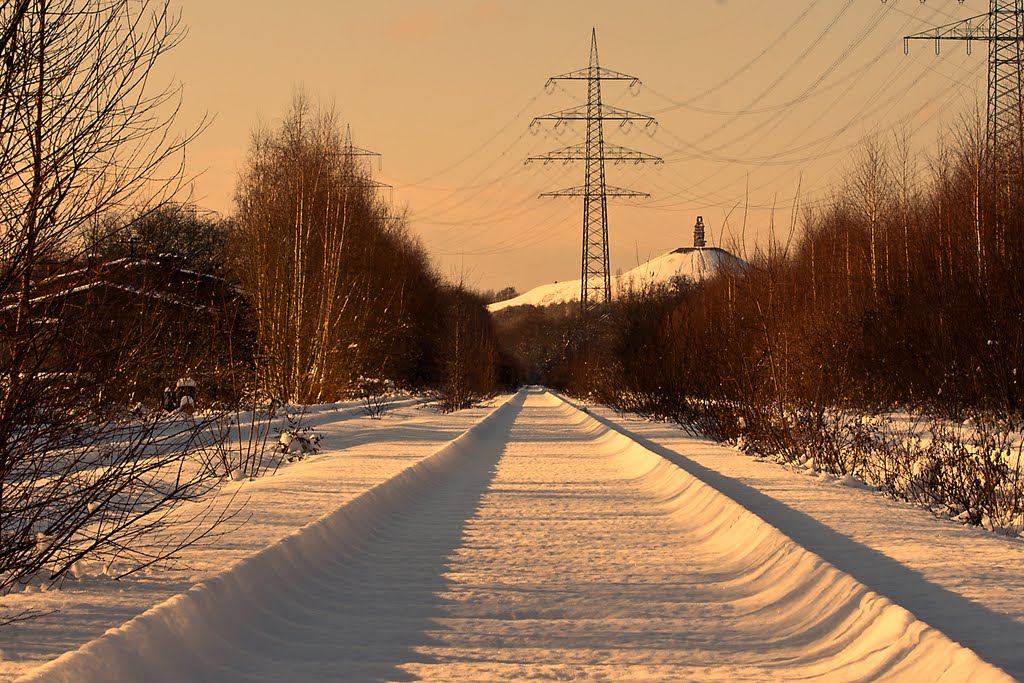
(359, 152)
(581, 191)
(968, 30)
(605, 112)
(568, 192)
(600, 72)
(972, 28)
(612, 152)
(623, 192)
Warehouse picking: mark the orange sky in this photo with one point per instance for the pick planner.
(445, 90)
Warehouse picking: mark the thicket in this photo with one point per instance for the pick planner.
(84, 135)
(154, 304)
(903, 293)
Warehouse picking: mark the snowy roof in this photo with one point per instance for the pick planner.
(127, 275)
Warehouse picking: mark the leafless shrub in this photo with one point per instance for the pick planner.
(103, 492)
(295, 441)
(975, 470)
(375, 394)
(243, 448)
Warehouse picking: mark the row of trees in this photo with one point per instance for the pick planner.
(904, 288)
(339, 287)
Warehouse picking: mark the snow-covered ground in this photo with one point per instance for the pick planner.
(358, 453)
(549, 544)
(963, 580)
(691, 263)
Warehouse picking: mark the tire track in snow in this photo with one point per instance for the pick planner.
(541, 545)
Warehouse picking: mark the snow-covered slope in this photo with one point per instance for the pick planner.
(688, 262)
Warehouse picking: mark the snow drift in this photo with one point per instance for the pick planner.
(855, 633)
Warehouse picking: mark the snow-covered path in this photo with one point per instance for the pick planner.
(541, 545)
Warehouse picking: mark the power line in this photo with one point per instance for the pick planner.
(825, 140)
(743, 69)
(479, 147)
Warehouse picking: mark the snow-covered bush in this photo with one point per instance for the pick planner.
(295, 444)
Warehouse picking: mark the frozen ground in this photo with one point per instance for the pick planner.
(548, 544)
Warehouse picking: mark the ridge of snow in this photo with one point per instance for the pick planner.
(186, 632)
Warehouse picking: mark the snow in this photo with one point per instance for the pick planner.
(690, 263)
(548, 543)
(358, 453)
(153, 294)
(967, 582)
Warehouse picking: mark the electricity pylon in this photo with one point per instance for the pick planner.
(596, 275)
(350, 153)
(1003, 29)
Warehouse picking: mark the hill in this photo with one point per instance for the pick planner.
(692, 263)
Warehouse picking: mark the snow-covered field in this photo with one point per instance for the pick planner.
(546, 543)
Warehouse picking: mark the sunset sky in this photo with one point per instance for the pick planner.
(754, 99)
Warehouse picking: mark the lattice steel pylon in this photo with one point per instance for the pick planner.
(596, 274)
(1003, 29)
(351, 153)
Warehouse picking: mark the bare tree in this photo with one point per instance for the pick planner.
(339, 288)
(83, 135)
(299, 203)
(870, 185)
